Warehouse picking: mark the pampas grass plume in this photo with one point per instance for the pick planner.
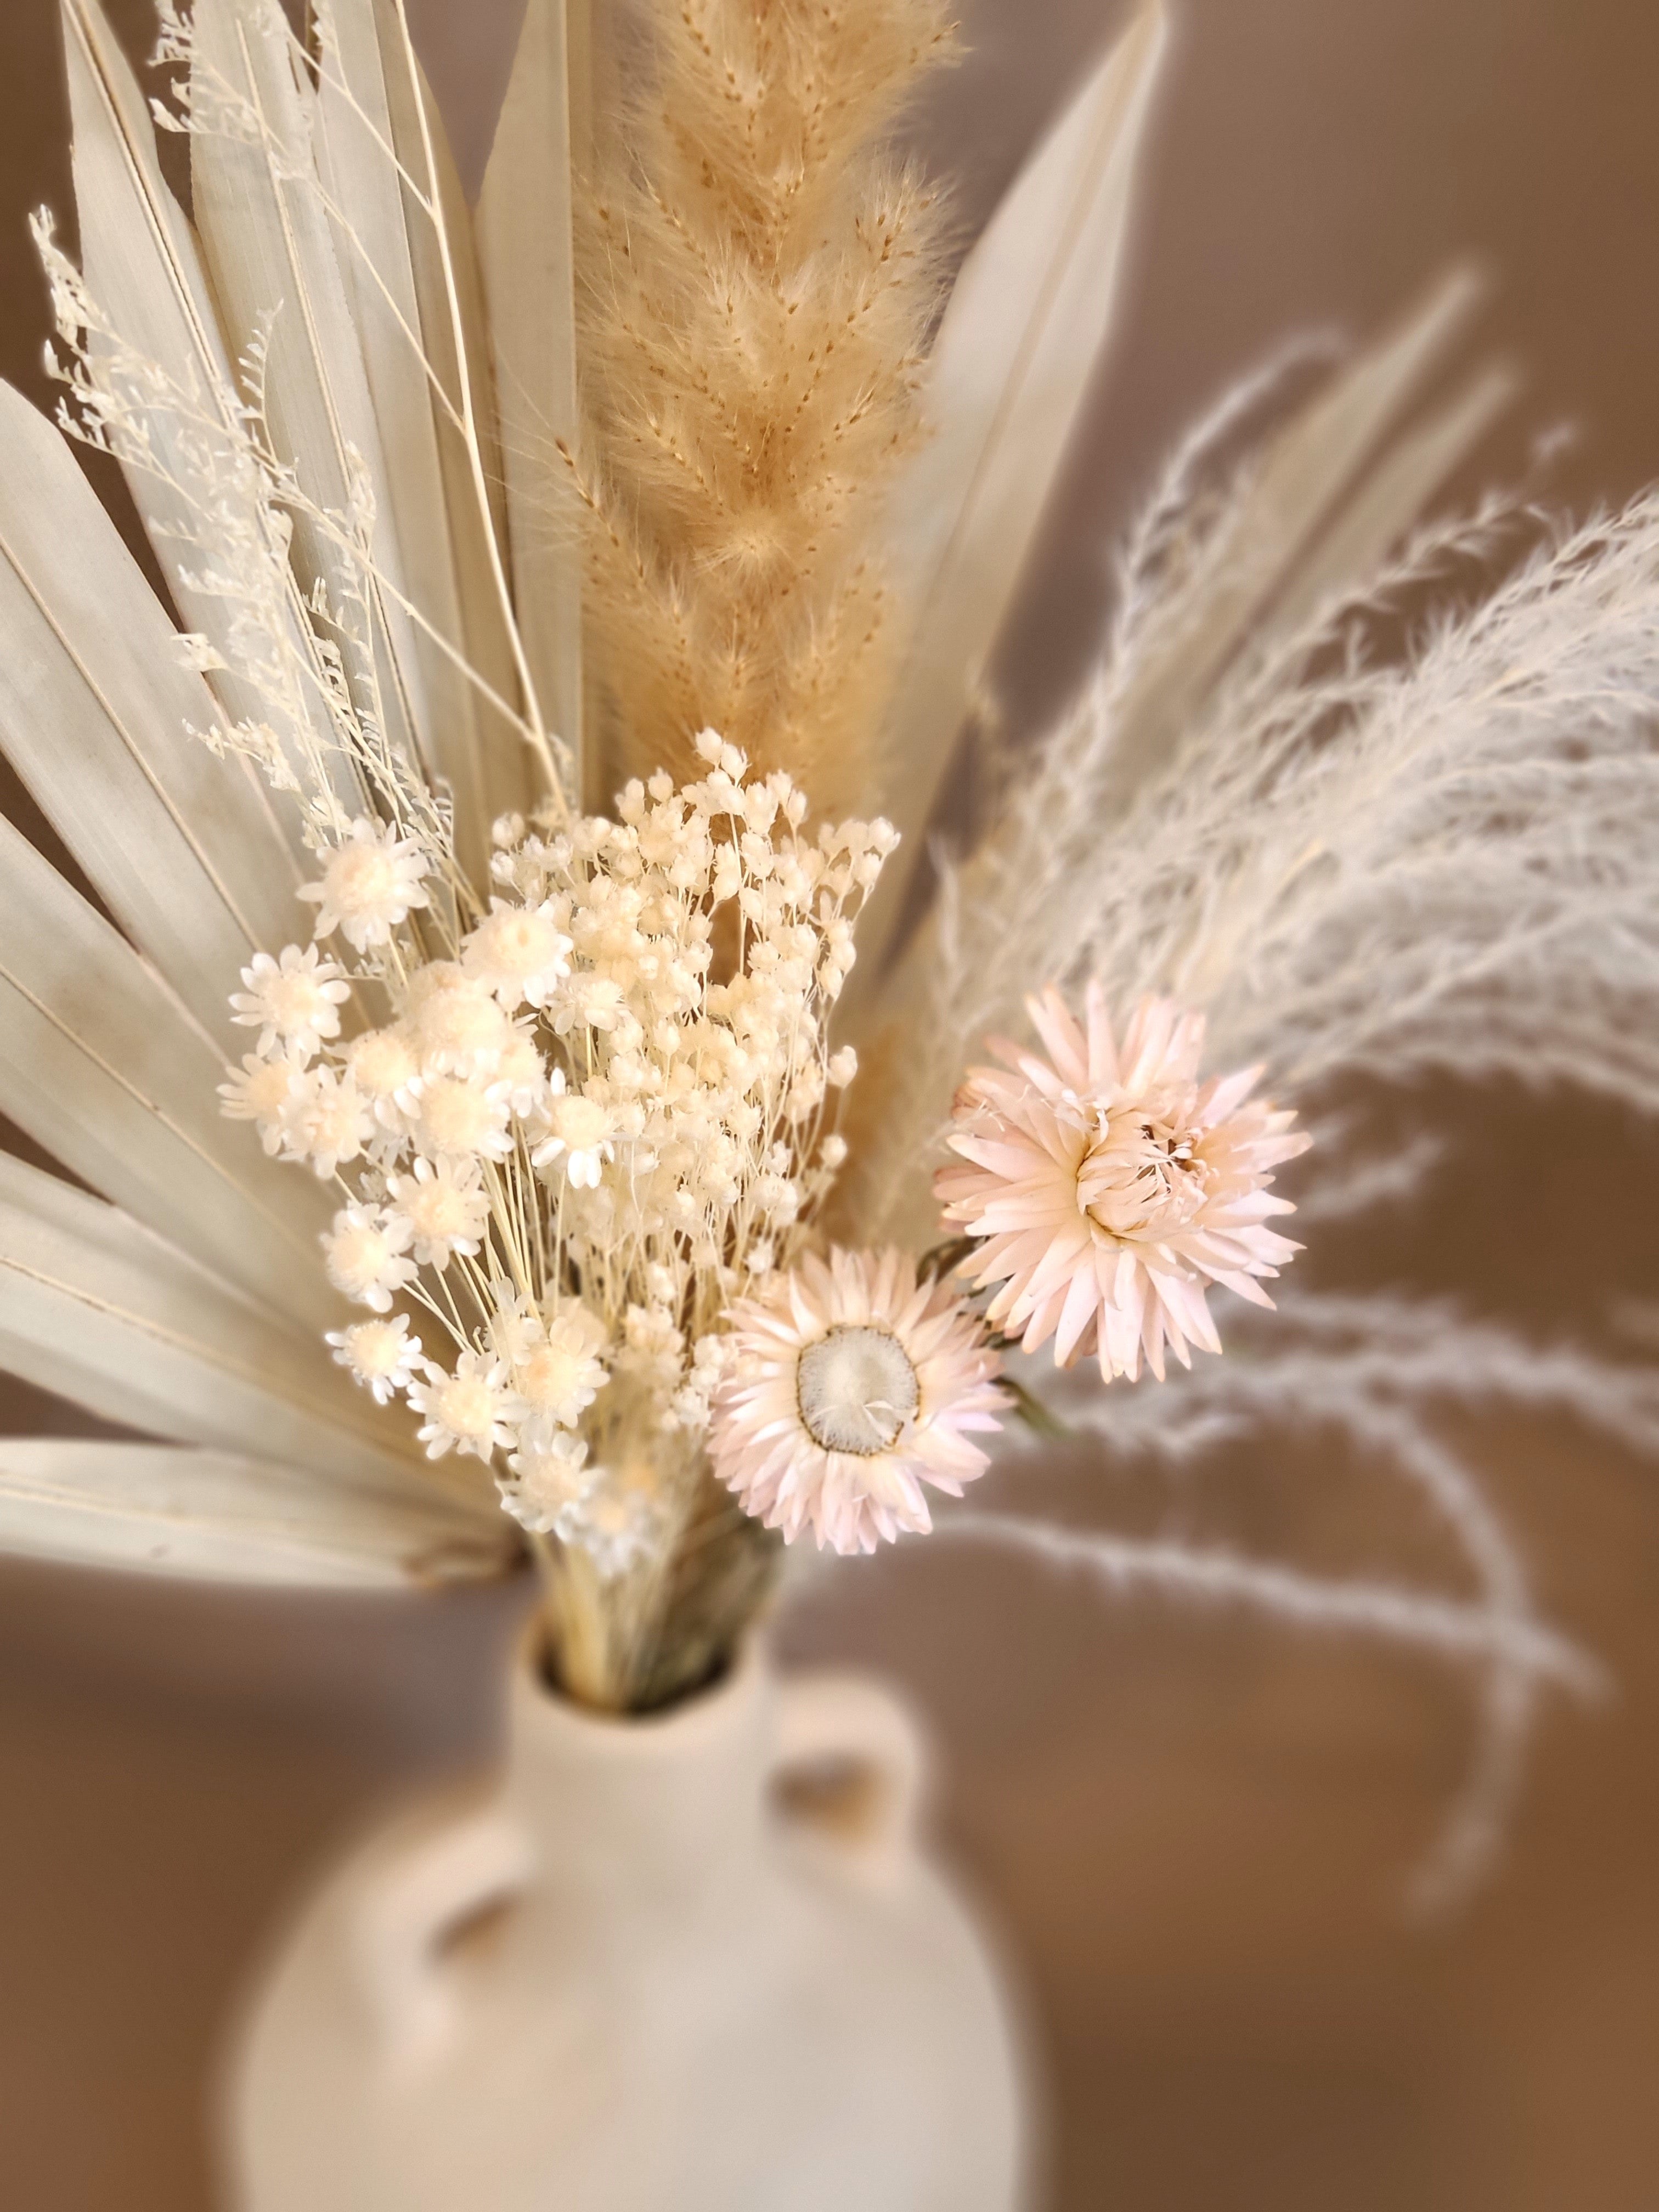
(758, 281)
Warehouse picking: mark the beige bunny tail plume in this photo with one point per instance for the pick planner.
(756, 283)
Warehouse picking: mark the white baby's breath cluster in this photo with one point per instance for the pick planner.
(570, 1133)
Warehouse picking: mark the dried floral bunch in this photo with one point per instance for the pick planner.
(564, 1133)
(548, 588)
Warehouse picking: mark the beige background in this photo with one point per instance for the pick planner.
(1195, 1834)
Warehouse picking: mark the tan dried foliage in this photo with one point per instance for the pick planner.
(758, 276)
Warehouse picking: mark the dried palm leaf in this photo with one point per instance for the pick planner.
(527, 255)
(100, 1064)
(225, 1517)
(98, 711)
(1030, 316)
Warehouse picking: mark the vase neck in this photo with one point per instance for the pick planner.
(662, 1805)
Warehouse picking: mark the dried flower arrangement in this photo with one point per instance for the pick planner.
(579, 600)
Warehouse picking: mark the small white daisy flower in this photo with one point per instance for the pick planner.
(257, 1092)
(619, 1521)
(525, 1074)
(447, 1209)
(549, 1485)
(369, 885)
(326, 1120)
(381, 1354)
(384, 1063)
(459, 1117)
(557, 1372)
(588, 1002)
(459, 1028)
(473, 1410)
(294, 1000)
(579, 1133)
(364, 1250)
(518, 952)
(515, 1323)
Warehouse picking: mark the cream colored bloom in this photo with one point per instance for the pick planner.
(457, 1027)
(579, 1133)
(523, 1071)
(294, 1001)
(473, 1410)
(1109, 1186)
(369, 885)
(851, 1385)
(556, 1371)
(619, 1520)
(384, 1063)
(258, 1092)
(462, 1117)
(548, 1486)
(381, 1354)
(326, 1120)
(590, 1001)
(364, 1252)
(447, 1209)
(518, 952)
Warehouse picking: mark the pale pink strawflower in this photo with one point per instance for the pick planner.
(1110, 1187)
(850, 1385)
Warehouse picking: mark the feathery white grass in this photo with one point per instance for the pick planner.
(1376, 1376)
(1349, 864)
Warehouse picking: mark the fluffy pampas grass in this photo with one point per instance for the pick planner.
(1362, 864)
(1350, 864)
(756, 288)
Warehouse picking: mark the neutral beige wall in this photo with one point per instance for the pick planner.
(1196, 1833)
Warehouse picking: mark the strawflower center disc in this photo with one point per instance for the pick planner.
(856, 1389)
(1139, 1177)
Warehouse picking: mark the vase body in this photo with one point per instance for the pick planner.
(691, 1963)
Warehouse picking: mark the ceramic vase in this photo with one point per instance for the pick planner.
(696, 1962)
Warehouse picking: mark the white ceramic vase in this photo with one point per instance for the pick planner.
(690, 1963)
